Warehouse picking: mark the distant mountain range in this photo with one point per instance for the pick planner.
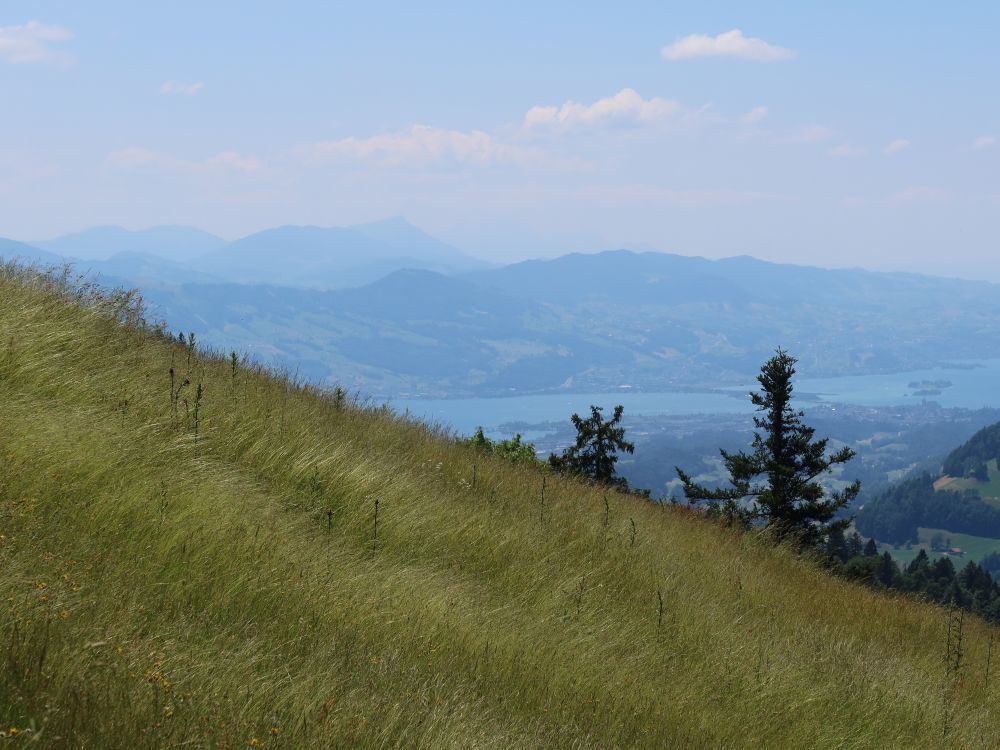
(333, 258)
(316, 257)
(174, 243)
(387, 309)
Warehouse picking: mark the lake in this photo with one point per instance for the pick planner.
(973, 385)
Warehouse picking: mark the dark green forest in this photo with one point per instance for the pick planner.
(896, 514)
(972, 459)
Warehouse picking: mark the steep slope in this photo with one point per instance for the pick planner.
(972, 459)
(267, 564)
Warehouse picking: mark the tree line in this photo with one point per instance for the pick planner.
(896, 514)
(776, 486)
(972, 588)
(973, 458)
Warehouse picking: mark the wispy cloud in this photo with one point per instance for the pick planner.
(983, 141)
(755, 115)
(728, 44)
(135, 158)
(235, 161)
(626, 107)
(34, 42)
(418, 146)
(181, 89)
(897, 146)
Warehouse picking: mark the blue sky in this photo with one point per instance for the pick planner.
(826, 133)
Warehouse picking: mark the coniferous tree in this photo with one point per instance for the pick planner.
(888, 571)
(836, 545)
(595, 452)
(855, 545)
(871, 548)
(776, 482)
(920, 563)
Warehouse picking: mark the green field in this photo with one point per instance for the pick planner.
(989, 491)
(269, 566)
(974, 547)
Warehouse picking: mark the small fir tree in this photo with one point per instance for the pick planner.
(777, 483)
(595, 452)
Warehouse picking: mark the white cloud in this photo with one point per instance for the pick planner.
(33, 42)
(897, 146)
(846, 149)
(626, 107)
(755, 115)
(235, 161)
(134, 158)
(983, 141)
(181, 89)
(419, 146)
(728, 44)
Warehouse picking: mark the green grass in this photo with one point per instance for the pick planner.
(163, 591)
(974, 547)
(989, 490)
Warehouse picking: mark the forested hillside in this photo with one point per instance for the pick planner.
(972, 459)
(959, 499)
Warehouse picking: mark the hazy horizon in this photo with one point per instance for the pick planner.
(853, 136)
(554, 254)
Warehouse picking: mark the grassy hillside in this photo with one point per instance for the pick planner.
(167, 585)
(989, 490)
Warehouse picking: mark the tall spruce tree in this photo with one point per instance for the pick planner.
(776, 483)
(595, 452)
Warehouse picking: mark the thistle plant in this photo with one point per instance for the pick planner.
(197, 410)
(177, 393)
